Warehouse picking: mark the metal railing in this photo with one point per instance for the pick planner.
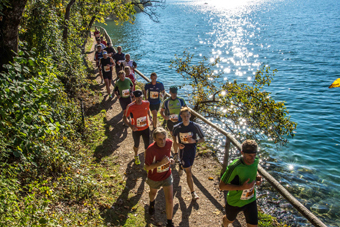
(104, 32)
(230, 139)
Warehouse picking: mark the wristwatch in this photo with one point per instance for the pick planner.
(196, 141)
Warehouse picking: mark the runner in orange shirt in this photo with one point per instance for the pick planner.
(139, 111)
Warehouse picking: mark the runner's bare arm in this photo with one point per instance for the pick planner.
(149, 113)
(126, 120)
(233, 187)
(112, 61)
(165, 160)
(179, 145)
(258, 179)
(163, 115)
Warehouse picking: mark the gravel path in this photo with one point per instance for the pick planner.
(207, 211)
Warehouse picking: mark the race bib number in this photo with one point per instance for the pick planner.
(141, 122)
(163, 168)
(248, 193)
(185, 136)
(107, 68)
(174, 116)
(125, 93)
(154, 94)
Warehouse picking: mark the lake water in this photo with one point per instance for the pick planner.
(301, 39)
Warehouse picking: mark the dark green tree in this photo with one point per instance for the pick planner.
(247, 110)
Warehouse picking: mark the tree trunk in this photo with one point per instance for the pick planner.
(66, 19)
(9, 35)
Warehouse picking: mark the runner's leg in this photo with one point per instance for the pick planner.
(101, 75)
(136, 137)
(226, 222)
(189, 178)
(152, 194)
(174, 144)
(154, 118)
(146, 139)
(110, 82)
(107, 84)
(168, 192)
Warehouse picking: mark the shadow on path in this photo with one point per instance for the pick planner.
(116, 133)
(207, 194)
(129, 197)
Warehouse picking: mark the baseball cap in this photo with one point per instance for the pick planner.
(137, 93)
(173, 89)
(104, 52)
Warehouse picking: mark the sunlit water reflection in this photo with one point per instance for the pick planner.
(301, 40)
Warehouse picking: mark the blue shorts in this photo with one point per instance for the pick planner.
(187, 158)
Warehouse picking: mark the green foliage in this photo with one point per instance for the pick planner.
(247, 110)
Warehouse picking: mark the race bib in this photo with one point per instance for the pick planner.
(174, 116)
(141, 122)
(163, 168)
(107, 68)
(125, 93)
(247, 193)
(154, 94)
(185, 136)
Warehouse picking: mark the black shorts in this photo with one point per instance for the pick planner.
(187, 158)
(145, 135)
(107, 75)
(171, 125)
(124, 102)
(249, 210)
(154, 107)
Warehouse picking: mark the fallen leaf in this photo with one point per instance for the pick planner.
(217, 212)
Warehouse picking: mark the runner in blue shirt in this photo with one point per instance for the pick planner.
(186, 134)
(153, 91)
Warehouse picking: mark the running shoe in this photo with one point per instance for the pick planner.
(194, 195)
(110, 96)
(137, 161)
(152, 210)
(170, 225)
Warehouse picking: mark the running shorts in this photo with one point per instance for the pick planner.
(170, 125)
(124, 102)
(107, 75)
(154, 107)
(158, 184)
(145, 135)
(249, 210)
(187, 158)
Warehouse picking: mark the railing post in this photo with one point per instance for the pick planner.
(226, 155)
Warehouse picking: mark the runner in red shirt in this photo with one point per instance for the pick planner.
(96, 33)
(140, 121)
(103, 41)
(131, 76)
(157, 163)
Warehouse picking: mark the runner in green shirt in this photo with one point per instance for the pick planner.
(170, 112)
(239, 180)
(123, 89)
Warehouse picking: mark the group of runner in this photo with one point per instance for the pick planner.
(140, 109)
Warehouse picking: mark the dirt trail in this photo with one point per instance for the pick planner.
(207, 211)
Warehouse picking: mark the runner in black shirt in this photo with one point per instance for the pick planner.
(110, 50)
(119, 57)
(106, 65)
(186, 134)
